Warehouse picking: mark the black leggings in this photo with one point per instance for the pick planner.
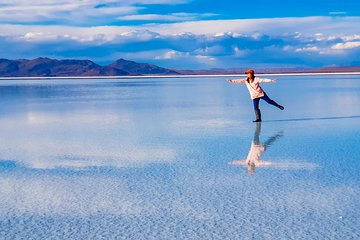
(266, 99)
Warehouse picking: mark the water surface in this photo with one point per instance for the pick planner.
(166, 159)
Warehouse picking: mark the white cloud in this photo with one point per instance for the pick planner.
(149, 2)
(72, 12)
(68, 11)
(256, 28)
(15, 30)
(304, 25)
(238, 52)
(34, 35)
(175, 17)
(93, 2)
(101, 34)
(322, 37)
(351, 37)
(346, 45)
(195, 43)
(205, 58)
(171, 54)
(307, 49)
(186, 56)
(139, 35)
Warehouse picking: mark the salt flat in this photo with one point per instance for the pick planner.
(152, 159)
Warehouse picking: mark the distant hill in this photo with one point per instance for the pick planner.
(140, 68)
(46, 67)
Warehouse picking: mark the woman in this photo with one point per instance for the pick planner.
(256, 92)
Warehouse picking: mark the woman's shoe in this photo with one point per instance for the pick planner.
(257, 115)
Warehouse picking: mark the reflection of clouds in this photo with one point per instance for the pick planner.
(84, 118)
(75, 118)
(47, 154)
(71, 196)
(343, 100)
(295, 165)
(50, 140)
(281, 164)
(317, 198)
(207, 123)
(79, 158)
(339, 102)
(211, 203)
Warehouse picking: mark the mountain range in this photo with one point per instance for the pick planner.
(46, 67)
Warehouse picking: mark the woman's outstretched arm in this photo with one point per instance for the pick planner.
(237, 80)
(261, 80)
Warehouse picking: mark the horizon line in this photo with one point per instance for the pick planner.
(176, 76)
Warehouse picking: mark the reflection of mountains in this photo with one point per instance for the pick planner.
(257, 149)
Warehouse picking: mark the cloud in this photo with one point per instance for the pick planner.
(205, 58)
(174, 17)
(310, 41)
(256, 28)
(307, 49)
(79, 11)
(76, 12)
(346, 45)
(171, 54)
(304, 25)
(351, 37)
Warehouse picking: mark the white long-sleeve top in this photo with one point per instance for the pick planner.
(253, 157)
(254, 86)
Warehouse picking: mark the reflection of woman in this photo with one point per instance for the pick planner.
(256, 150)
(256, 92)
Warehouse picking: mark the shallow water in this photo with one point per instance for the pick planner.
(164, 159)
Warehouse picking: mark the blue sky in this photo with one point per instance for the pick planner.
(188, 34)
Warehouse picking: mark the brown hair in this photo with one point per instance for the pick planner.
(248, 79)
